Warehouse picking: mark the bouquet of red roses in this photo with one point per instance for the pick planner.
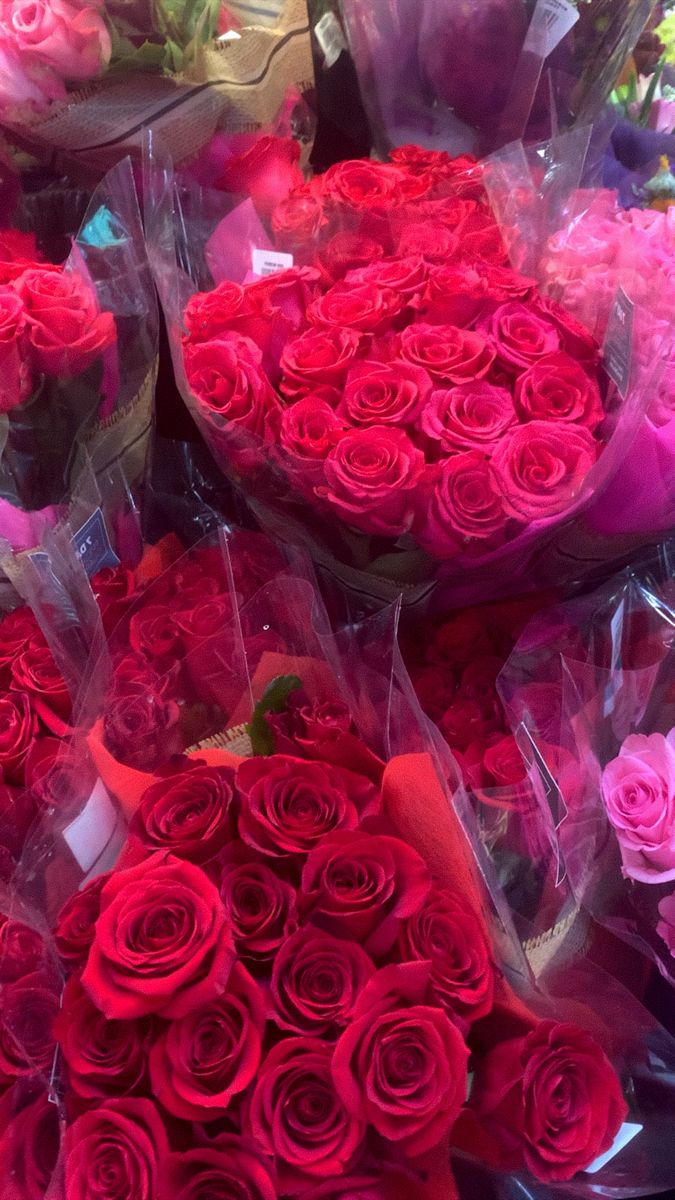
(398, 397)
(65, 331)
(279, 986)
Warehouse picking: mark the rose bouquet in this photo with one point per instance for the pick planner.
(397, 398)
(605, 665)
(65, 331)
(278, 987)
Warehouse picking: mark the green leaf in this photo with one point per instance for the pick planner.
(274, 700)
(650, 93)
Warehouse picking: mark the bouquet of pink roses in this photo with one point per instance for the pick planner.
(397, 397)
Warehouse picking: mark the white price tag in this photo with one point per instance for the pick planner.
(330, 37)
(89, 834)
(268, 262)
(551, 20)
(625, 1135)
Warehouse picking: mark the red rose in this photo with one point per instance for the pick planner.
(316, 981)
(104, 1058)
(316, 359)
(17, 630)
(113, 588)
(29, 1142)
(152, 631)
(405, 276)
(540, 468)
(432, 241)
(384, 393)
(18, 251)
(464, 505)
(296, 221)
(448, 353)
(382, 1183)
(550, 1101)
(15, 373)
(479, 682)
(18, 728)
(76, 923)
(502, 283)
(227, 377)
(161, 944)
(479, 235)
(229, 307)
(464, 722)
(189, 814)
(520, 336)
(289, 804)
(557, 388)
(348, 252)
(22, 950)
(267, 172)
(66, 331)
(18, 811)
(310, 428)
(401, 1065)
(29, 1008)
(141, 724)
(473, 416)
(35, 672)
(116, 1150)
(456, 295)
(504, 763)
(460, 640)
(371, 477)
(228, 1168)
(296, 1116)
(447, 934)
(362, 885)
(309, 727)
(361, 184)
(363, 307)
(435, 690)
(260, 906)
(202, 1061)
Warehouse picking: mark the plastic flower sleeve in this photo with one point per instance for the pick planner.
(88, 361)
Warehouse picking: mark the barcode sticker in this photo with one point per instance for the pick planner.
(551, 21)
(331, 39)
(92, 544)
(625, 1135)
(89, 834)
(268, 262)
(618, 348)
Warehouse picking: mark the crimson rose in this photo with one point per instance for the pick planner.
(116, 1150)
(29, 1142)
(260, 907)
(189, 814)
(104, 1058)
(371, 477)
(229, 1168)
(316, 982)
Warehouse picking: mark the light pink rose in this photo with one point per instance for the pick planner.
(72, 40)
(24, 81)
(638, 790)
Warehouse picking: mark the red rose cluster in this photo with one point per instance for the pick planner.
(270, 995)
(404, 378)
(50, 323)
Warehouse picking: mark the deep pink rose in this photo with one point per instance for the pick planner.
(316, 982)
(362, 885)
(456, 294)
(227, 377)
(260, 906)
(162, 942)
(540, 468)
(103, 1058)
(425, 238)
(463, 504)
(189, 814)
(363, 307)
(297, 1118)
(361, 184)
(473, 416)
(288, 804)
(401, 1065)
(448, 353)
(202, 1062)
(229, 1168)
(116, 1150)
(267, 172)
(384, 393)
(27, 1015)
(446, 933)
(549, 1101)
(296, 221)
(15, 372)
(503, 763)
(29, 1141)
(575, 338)
(65, 329)
(318, 358)
(405, 276)
(556, 388)
(519, 335)
(638, 791)
(310, 428)
(347, 251)
(76, 923)
(371, 478)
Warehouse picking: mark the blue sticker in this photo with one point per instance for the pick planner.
(92, 545)
(103, 230)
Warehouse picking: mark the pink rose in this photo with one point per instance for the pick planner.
(638, 791)
(556, 388)
(449, 354)
(371, 477)
(15, 372)
(519, 335)
(473, 416)
(401, 1064)
(72, 39)
(405, 276)
(540, 468)
(384, 393)
(464, 504)
(66, 331)
(310, 428)
(318, 358)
